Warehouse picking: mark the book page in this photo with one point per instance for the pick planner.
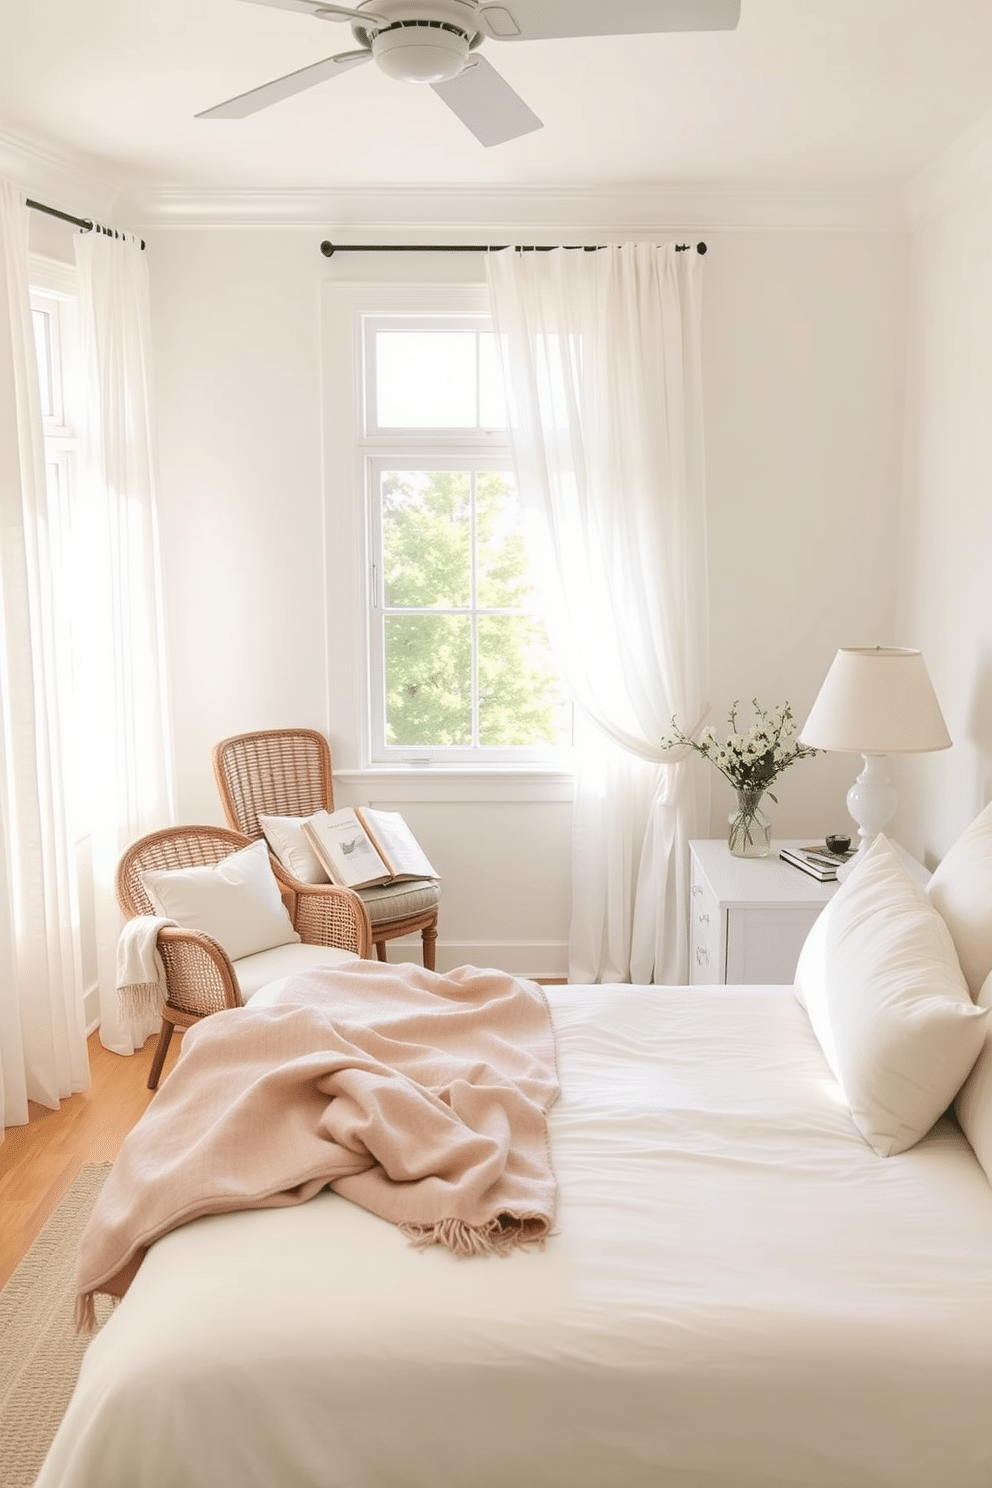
(344, 847)
(402, 852)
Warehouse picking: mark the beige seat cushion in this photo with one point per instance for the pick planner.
(254, 972)
(396, 901)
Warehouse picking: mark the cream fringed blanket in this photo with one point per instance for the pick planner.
(422, 1097)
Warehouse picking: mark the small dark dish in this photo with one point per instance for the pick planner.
(837, 844)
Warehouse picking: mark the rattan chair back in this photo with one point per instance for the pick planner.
(287, 772)
(273, 772)
(172, 847)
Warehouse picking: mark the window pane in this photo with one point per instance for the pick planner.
(428, 679)
(520, 700)
(492, 399)
(425, 380)
(427, 539)
(42, 322)
(501, 561)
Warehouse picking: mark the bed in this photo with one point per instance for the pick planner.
(739, 1291)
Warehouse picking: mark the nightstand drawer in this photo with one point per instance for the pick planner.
(763, 945)
(707, 944)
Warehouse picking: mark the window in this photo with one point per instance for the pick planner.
(53, 314)
(461, 668)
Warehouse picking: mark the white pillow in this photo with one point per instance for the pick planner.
(889, 1003)
(973, 1106)
(961, 889)
(237, 901)
(289, 842)
(811, 983)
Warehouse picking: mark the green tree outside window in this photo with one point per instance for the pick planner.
(466, 660)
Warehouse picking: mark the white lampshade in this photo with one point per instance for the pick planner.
(877, 700)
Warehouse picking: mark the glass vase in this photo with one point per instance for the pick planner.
(750, 833)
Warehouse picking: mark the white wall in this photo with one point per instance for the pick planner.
(804, 383)
(947, 563)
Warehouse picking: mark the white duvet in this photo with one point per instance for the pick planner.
(739, 1293)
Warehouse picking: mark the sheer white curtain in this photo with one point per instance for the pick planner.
(602, 362)
(122, 660)
(42, 1036)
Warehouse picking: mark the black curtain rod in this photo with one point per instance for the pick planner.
(329, 249)
(85, 224)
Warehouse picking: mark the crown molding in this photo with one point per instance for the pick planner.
(959, 171)
(83, 186)
(518, 212)
(69, 182)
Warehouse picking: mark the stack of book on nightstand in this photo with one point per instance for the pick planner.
(815, 861)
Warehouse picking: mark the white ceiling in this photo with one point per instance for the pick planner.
(818, 95)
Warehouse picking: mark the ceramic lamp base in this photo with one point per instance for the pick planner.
(872, 802)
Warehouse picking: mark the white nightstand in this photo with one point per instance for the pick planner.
(749, 917)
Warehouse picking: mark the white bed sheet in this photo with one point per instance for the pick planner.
(739, 1294)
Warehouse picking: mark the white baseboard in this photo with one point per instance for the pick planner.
(91, 1009)
(532, 959)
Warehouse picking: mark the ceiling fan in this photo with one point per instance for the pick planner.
(435, 42)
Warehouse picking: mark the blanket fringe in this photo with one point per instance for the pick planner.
(141, 1000)
(499, 1236)
(85, 1313)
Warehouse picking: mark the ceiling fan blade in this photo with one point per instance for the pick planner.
(285, 87)
(539, 20)
(310, 7)
(487, 105)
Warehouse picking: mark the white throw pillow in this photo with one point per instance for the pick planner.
(973, 1106)
(961, 889)
(289, 842)
(893, 1014)
(237, 901)
(811, 983)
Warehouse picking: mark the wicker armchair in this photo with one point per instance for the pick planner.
(287, 772)
(200, 977)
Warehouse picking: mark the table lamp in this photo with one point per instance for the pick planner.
(875, 701)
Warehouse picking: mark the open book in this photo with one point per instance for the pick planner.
(359, 847)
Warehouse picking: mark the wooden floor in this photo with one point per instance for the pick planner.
(39, 1161)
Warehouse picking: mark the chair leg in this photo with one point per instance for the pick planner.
(161, 1049)
(429, 937)
(380, 950)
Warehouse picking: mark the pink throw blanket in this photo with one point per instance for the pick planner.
(422, 1097)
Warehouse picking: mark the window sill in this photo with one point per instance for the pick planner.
(530, 782)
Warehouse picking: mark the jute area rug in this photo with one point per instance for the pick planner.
(40, 1352)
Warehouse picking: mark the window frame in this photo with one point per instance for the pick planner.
(339, 656)
(53, 289)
